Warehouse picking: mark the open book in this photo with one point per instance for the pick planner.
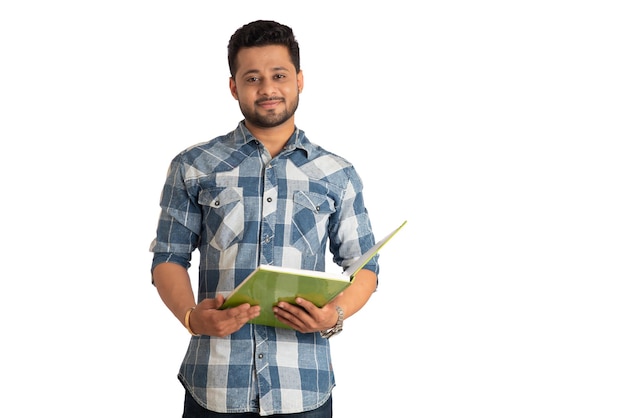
(267, 285)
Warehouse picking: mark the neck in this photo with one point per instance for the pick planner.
(275, 138)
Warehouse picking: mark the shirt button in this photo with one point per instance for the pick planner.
(269, 199)
(260, 355)
(217, 203)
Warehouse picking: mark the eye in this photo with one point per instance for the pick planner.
(280, 76)
(252, 79)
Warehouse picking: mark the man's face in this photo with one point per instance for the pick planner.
(266, 85)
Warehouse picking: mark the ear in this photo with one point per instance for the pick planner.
(300, 81)
(233, 88)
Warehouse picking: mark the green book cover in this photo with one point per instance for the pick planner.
(267, 285)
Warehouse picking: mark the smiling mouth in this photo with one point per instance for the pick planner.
(272, 101)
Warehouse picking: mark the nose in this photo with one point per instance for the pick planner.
(267, 87)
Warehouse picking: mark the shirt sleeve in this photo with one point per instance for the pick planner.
(351, 232)
(178, 228)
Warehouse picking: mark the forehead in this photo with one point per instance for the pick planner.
(264, 58)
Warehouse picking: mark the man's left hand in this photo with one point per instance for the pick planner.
(305, 316)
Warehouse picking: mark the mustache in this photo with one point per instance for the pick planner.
(269, 99)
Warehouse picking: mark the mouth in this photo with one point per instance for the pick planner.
(270, 103)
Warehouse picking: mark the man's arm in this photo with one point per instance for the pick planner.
(309, 318)
(174, 286)
(357, 294)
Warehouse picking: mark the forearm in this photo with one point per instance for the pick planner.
(358, 293)
(174, 286)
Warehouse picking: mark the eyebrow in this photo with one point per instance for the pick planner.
(273, 69)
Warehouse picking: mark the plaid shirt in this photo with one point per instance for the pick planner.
(240, 207)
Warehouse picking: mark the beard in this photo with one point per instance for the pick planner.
(271, 119)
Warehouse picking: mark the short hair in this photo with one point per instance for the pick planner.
(262, 33)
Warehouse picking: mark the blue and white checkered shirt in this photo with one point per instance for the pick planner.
(240, 207)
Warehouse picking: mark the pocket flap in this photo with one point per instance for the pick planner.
(220, 197)
(314, 201)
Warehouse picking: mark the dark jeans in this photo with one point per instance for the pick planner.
(193, 410)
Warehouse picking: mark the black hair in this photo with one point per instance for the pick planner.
(262, 33)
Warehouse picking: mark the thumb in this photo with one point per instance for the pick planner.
(212, 303)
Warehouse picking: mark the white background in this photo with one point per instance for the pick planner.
(495, 128)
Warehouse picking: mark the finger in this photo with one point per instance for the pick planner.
(294, 310)
(310, 307)
(288, 319)
(211, 303)
(292, 315)
(243, 313)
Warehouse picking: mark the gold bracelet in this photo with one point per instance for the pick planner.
(187, 325)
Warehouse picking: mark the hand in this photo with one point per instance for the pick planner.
(208, 319)
(305, 316)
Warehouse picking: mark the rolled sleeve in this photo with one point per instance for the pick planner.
(179, 225)
(352, 234)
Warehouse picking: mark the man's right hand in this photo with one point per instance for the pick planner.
(208, 319)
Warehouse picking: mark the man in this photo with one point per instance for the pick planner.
(261, 194)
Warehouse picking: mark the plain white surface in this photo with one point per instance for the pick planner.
(495, 128)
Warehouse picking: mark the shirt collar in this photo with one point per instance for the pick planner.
(297, 140)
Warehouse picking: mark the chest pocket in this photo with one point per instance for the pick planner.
(223, 215)
(310, 218)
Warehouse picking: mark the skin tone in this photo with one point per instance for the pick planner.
(267, 87)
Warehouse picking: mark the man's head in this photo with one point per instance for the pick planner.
(266, 79)
(262, 33)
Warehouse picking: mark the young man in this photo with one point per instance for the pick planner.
(261, 194)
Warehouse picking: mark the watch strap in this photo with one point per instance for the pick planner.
(338, 326)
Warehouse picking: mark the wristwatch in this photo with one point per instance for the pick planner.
(338, 326)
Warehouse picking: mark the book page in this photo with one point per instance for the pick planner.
(367, 256)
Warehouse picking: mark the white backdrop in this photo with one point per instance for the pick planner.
(495, 128)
